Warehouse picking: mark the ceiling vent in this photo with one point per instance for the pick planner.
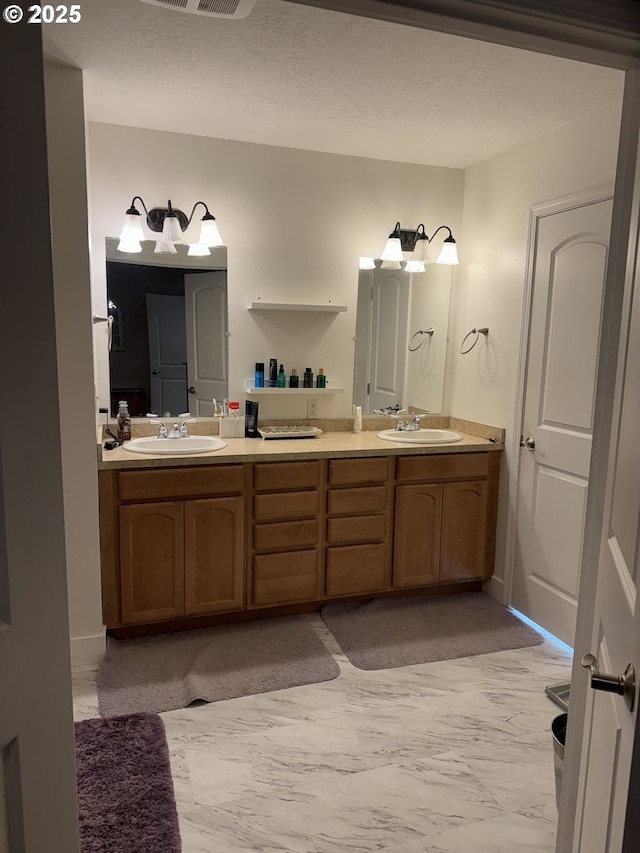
(231, 9)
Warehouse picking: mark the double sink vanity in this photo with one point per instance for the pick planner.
(267, 527)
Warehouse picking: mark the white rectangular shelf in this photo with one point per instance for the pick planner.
(327, 307)
(293, 392)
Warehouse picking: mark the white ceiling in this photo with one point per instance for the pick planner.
(309, 78)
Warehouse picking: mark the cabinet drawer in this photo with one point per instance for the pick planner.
(355, 569)
(180, 482)
(285, 535)
(286, 476)
(360, 528)
(285, 505)
(284, 578)
(352, 501)
(344, 472)
(462, 466)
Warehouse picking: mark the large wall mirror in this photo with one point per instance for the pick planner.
(402, 325)
(169, 335)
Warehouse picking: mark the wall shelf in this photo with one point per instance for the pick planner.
(327, 307)
(292, 392)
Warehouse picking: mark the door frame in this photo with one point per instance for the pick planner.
(603, 192)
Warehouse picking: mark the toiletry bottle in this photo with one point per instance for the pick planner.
(282, 378)
(124, 421)
(251, 419)
(273, 373)
(321, 379)
(307, 379)
(259, 377)
(293, 379)
(234, 409)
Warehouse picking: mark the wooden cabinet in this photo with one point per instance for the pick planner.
(151, 562)
(358, 526)
(285, 546)
(416, 553)
(214, 555)
(197, 544)
(165, 560)
(445, 527)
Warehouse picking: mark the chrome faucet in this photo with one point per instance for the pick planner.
(162, 431)
(183, 427)
(411, 426)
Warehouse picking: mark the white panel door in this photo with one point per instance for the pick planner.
(568, 284)
(205, 297)
(609, 725)
(388, 339)
(167, 353)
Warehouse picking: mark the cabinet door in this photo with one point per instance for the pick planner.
(416, 548)
(214, 555)
(464, 525)
(151, 562)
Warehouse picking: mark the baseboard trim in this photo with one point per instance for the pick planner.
(87, 651)
(495, 588)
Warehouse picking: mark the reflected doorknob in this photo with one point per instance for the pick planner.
(191, 390)
(529, 442)
(623, 685)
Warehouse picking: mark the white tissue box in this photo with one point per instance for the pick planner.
(231, 427)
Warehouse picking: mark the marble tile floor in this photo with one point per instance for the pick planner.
(446, 757)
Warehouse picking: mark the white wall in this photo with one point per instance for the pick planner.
(491, 278)
(295, 223)
(69, 225)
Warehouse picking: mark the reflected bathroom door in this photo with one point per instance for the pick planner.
(167, 353)
(205, 297)
(390, 307)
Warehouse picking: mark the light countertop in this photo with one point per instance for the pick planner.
(329, 444)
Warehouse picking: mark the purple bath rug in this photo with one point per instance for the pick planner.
(126, 801)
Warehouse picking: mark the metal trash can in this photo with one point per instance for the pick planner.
(559, 732)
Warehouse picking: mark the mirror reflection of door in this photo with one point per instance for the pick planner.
(206, 329)
(392, 305)
(381, 339)
(177, 344)
(167, 353)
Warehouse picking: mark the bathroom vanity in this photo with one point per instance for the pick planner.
(266, 528)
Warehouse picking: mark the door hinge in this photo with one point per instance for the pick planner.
(368, 388)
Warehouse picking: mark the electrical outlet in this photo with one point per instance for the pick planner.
(312, 408)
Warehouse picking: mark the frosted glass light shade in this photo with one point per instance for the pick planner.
(209, 234)
(198, 250)
(366, 263)
(392, 250)
(129, 245)
(414, 266)
(390, 265)
(449, 253)
(132, 228)
(171, 230)
(165, 247)
(421, 251)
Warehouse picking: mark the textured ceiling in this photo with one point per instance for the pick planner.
(308, 78)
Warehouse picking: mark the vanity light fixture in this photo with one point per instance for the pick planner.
(171, 223)
(419, 244)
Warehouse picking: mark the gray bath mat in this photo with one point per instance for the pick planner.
(169, 671)
(390, 632)
(126, 801)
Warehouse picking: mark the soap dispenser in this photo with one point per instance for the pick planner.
(124, 421)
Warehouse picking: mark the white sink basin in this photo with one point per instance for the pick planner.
(175, 446)
(421, 436)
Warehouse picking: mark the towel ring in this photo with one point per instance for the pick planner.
(414, 336)
(477, 332)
